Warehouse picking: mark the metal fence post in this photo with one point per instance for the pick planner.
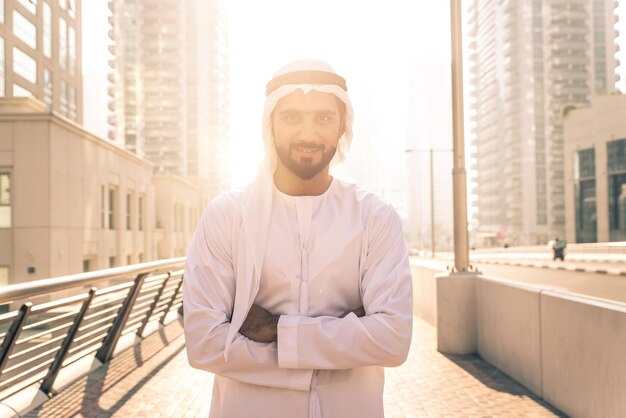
(105, 353)
(154, 303)
(55, 367)
(171, 302)
(13, 334)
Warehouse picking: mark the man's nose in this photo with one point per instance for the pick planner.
(308, 131)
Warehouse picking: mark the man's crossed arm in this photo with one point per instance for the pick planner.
(262, 326)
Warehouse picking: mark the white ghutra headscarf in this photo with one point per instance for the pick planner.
(305, 75)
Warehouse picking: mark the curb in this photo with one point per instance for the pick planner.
(610, 272)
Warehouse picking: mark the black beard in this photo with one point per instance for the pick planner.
(304, 168)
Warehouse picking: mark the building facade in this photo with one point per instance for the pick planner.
(40, 53)
(72, 202)
(169, 94)
(595, 171)
(529, 61)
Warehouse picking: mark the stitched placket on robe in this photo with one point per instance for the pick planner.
(304, 211)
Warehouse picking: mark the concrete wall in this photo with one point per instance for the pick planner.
(583, 354)
(508, 332)
(424, 292)
(566, 348)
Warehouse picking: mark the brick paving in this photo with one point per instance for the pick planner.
(155, 380)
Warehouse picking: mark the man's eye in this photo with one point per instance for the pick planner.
(292, 117)
(325, 118)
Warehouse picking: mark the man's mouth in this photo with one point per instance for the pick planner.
(307, 150)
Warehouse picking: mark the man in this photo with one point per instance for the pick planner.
(558, 248)
(297, 290)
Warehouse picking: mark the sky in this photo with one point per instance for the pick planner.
(371, 45)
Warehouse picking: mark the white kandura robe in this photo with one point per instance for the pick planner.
(325, 255)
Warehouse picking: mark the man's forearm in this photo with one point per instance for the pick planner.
(262, 326)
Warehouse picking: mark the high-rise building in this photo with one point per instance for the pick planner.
(40, 53)
(169, 94)
(530, 60)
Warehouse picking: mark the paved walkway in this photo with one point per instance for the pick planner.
(155, 380)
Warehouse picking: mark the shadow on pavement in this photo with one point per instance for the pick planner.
(105, 390)
(496, 380)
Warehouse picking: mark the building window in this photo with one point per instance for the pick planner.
(72, 50)
(24, 30)
(5, 200)
(86, 263)
(4, 275)
(102, 206)
(585, 195)
(71, 9)
(2, 93)
(616, 151)
(62, 43)
(24, 65)
(128, 260)
(140, 258)
(47, 87)
(111, 208)
(19, 91)
(63, 4)
(111, 261)
(63, 98)
(47, 30)
(129, 198)
(72, 101)
(140, 213)
(30, 5)
(2, 11)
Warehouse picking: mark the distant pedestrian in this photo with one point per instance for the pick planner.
(558, 248)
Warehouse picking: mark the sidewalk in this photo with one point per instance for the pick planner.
(156, 381)
(612, 268)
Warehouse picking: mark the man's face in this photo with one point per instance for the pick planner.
(306, 130)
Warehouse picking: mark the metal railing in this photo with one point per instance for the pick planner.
(85, 314)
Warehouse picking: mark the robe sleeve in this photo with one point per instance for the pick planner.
(380, 338)
(208, 298)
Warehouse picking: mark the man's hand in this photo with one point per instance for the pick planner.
(260, 325)
(360, 312)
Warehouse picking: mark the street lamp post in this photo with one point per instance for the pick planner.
(457, 331)
(459, 186)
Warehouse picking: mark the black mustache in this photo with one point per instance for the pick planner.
(302, 144)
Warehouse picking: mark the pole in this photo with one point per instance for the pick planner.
(432, 205)
(459, 175)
